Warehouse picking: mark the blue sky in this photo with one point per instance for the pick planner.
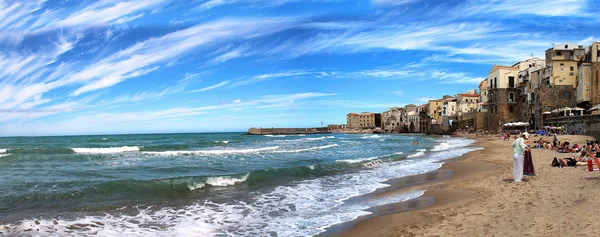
(148, 66)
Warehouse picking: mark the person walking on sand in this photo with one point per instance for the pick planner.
(519, 148)
(555, 141)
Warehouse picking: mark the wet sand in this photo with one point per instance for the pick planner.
(479, 199)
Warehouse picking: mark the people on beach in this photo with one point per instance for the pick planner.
(519, 148)
(555, 141)
(584, 156)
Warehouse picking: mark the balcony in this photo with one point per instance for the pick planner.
(558, 121)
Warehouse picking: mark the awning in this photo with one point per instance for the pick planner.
(578, 109)
(597, 107)
(516, 124)
(547, 112)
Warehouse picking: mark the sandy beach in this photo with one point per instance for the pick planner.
(480, 199)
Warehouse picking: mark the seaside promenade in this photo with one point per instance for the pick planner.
(480, 200)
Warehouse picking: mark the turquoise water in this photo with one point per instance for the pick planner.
(219, 184)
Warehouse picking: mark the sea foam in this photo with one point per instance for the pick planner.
(2, 150)
(211, 152)
(108, 150)
(308, 149)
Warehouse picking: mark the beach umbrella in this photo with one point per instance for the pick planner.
(547, 112)
(547, 127)
(578, 109)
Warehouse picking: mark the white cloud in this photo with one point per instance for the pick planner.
(143, 57)
(392, 2)
(517, 7)
(223, 83)
(425, 99)
(399, 93)
(125, 120)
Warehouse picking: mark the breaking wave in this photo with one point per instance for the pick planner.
(108, 150)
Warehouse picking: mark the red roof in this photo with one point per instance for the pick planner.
(469, 95)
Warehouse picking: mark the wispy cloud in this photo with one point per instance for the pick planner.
(221, 84)
(399, 93)
(516, 7)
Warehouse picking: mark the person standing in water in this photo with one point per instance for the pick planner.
(519, 148)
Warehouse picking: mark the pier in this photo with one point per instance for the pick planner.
(286, 131)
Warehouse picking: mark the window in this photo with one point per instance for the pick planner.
(559, 53)
(495, 82)
(562, 64)
(511, 97)
(510, 109)
(511, 82)
(564, 94)
(524, 99)
(571, 68)
(566, 46)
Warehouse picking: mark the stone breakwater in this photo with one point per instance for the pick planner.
(285, 131)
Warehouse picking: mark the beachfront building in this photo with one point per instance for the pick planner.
(467, 102)
(435, 110)
(558, 86)
(353, 121)
(529, 77)
(392, 119)
(367, 120)
(502, 96)
(449, 111)
(408, 112)
(449, 107)
(482, 106)
(588, 80)
(424, 118)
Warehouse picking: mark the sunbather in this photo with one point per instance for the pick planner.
(574, 161)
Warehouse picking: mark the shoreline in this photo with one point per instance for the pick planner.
(480, 200)
(434, 196)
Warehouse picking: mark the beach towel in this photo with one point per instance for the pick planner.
(528, 166)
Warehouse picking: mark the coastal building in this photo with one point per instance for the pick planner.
(449, 107)
(449, 111)
(435, 110)
(392, 119)
(588, 80)
(558, 86)
(502, 94)
(424, 119)
(529, 75)
(367, 120)
(353, 121)
(467, 102)
(482, 106)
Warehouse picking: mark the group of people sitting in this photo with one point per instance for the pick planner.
(589, 152)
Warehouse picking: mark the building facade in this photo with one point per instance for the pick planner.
(391, 119)
(588, 80)
(353, 121)
(502, 96)
(435, 110)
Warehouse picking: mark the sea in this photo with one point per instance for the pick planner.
(205, 184)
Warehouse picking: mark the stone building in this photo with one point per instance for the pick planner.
(391, 119)
(556, 85)
(367, 120)
(502, 96)
(588, 80)
(467, 102)
(483, 99)
(529, 79)
(435, 110)
(353, 121)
